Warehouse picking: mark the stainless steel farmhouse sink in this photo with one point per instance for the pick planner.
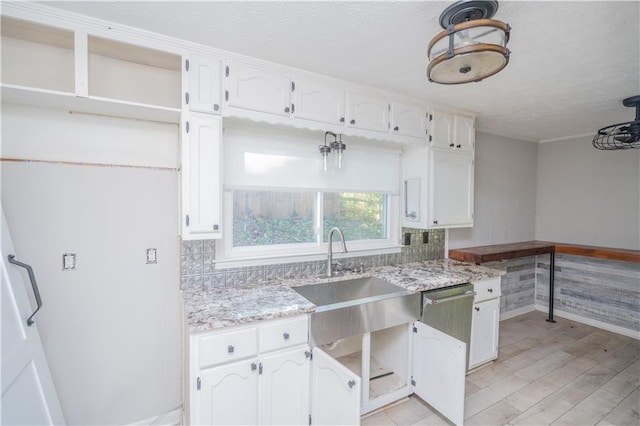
(352, 307)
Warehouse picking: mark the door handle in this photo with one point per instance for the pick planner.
(34, 286)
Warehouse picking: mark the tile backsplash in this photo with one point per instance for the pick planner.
(197, 262)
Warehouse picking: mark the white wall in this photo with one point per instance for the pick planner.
(505, 193)
(588, 196)
(111, 329)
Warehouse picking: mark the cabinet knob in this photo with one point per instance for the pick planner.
(351, 383)
(451, 145)
(287, 109)
(458, 146)
(396, 128)
(435, 222)
(477, 309)
(490, 290)
(342, 119)
(216, 107)
(286, 336)
(230, 349)
(353, 121)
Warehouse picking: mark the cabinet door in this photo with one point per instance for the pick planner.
(484, 332)
(464, 133)
(204, 82)
(258, 89)
(441, 129)
(285, 388)
(228, 395)
(439, 368)
(319, 103)
(409, 120)
(368, 112)
(201, 177)
(450, 188)
(335, 392)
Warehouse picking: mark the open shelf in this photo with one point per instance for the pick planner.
(28, 96)
(28, 49)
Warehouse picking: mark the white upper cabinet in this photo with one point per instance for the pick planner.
(318, 102)
(409, 120)
(201, 177)
(452, 131)
(203, 84)
(257, 89)
(464, 132)
(450, 188)
(368, 112)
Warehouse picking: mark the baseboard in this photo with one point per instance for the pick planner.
(172, 418)
(594, 323)
(516, 312)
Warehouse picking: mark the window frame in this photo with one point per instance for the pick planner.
(230, 256)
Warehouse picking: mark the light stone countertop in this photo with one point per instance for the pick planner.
(219, 307)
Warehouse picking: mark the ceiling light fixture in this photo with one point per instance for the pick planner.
(337, 147)
(622, 135)
(471, 47)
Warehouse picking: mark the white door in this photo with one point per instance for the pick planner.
(450, 188)
(484, 332)
(464, 133)
(28, 393)
(441, 129)
(228, 395)
(285, 387)
(258, 89)
(368, 112)
(335, 392)
(201, 177)
(408, 120)
(203, 92)
(439, 368)
(319, 103)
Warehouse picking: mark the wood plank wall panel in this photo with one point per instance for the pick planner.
(600, 289)
(518, 285)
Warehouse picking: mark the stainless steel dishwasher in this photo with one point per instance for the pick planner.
(449, 310)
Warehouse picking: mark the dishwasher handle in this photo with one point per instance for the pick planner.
(427, 301)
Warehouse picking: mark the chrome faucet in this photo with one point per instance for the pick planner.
(330, 250)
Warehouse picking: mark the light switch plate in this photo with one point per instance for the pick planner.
(68, 261)
(152, 256)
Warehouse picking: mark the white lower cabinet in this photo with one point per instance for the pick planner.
(484, 332)
(228, 395)
(257, 374)
(335, 392)
(439, 368)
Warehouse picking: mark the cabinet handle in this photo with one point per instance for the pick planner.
(458, 146)
(286, 109)
(230, 349)
(451, 145)
(351, 383)
(253, 366)
(435, 222)
(216, 107)
(286, 336)
(353, 121)
(342, 119)
(477, 309)
(396, 128)
(490, 290)
(216, 227)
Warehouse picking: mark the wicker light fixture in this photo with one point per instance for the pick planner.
(471, 47)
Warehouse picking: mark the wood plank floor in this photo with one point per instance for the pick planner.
(565, 373)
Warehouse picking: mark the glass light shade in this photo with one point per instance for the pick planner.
(325, 151)
(470, 51)
(338, 154)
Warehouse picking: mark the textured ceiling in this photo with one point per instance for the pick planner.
(571, 65)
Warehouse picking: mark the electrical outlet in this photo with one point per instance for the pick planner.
(425, 237)
(68, 261)
(151, 256)
(407, 238)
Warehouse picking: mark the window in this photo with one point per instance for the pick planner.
(276, 218)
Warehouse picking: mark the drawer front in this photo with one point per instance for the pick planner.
(487, 289)
(227, 347)
(285, 333)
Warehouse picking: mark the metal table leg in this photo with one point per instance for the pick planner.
(552, 266)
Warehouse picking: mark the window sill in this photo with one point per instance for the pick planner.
(274, 259)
